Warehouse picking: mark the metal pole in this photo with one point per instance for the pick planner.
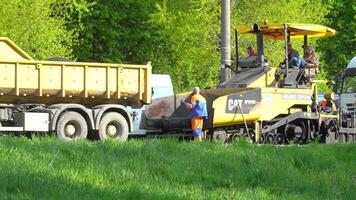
(305, 40)
(286, 48)
(225, 41)
(305, 43)
(260, 50)
(236, 51)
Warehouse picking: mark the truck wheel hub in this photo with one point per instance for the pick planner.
(70, 129)
(111, 130)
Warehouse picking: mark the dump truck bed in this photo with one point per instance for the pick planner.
(24, 80)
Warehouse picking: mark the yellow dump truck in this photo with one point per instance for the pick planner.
(69, 98)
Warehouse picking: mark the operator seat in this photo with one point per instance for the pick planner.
(294, 75)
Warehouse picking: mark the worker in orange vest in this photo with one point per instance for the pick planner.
(327, 103)
(198, 110)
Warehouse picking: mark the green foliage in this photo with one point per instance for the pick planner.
(32, 26)
(188, 42)
(167, 169)
(338, 50)
(111, 31)
(72, 12)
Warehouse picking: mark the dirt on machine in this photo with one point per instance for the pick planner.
(253, 103)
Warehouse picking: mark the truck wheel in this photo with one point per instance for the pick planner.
(72, 126)
(296, 132)
(114, 126)
(219, 136)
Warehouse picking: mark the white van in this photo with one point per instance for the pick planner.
(161, 87)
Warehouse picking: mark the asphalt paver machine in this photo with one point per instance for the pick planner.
(253, 103)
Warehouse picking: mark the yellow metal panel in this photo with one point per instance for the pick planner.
(39, 80)
(265, 80)
(10, 51)
(85, 81)
(221, 118)
(140, 86)
(276, 101)
(17, 89)
(96, 81)
(257, 131)
(51, 82)
(7, 76)
(63, 89)
(74, 80)
(107, 78)
(113, 81)
(129, 81)
(118, 80)
(294, 110)
(329, 116)
(148, 89)
(27, 78)
(230, 119)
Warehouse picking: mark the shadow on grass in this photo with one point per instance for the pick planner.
(28, 185)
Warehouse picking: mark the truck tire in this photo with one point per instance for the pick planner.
(113, 126)
(72, 126)
(219, 136)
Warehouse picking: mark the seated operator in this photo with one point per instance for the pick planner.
(250, 60)
(327, 104)
(311, 58)
(250, 52)
(294, 59)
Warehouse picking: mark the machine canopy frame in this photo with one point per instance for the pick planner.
(295, 30)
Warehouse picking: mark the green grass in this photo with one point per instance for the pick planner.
(45, 168)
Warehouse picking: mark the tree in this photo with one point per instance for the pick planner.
(337, 51)
(188, 42)
(112, 30)
(31, 25)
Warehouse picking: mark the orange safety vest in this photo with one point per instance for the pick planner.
(323, 103)
(327, 104)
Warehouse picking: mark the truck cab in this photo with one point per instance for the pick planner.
(161, 87)
(348, 101)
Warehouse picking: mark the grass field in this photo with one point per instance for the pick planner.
(45, 168)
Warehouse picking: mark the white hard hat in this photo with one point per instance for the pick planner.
(196, 89)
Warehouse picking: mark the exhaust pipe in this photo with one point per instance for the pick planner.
(260, 49)
(225, 41)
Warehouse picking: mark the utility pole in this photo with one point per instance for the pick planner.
(225, 49)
